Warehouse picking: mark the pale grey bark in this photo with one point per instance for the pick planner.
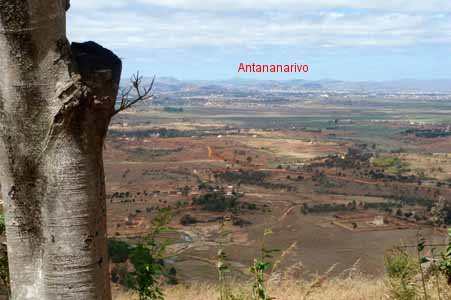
(56, 101)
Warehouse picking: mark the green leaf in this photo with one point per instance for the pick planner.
(424, 259)
(420, 245)
(268, 231)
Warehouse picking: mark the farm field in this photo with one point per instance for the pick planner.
(344, 184)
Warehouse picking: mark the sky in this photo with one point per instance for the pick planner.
(351, 40)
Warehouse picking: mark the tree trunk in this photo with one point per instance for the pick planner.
(56, 102)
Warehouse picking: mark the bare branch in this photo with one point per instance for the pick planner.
(142, 93)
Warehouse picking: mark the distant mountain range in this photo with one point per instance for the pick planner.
(169, 84)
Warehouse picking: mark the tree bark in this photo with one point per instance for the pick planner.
(56, 102)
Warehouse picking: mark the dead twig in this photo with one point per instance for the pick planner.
(140, 93)
(318, 282)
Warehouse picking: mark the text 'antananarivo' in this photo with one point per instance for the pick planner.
(272, 68)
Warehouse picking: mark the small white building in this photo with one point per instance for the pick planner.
(378, 221)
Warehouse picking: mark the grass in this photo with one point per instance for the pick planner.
(407, 277)
(402, 282)
(337, 289)
(392, 164)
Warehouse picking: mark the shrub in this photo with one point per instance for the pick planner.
(217, 201)
(188, 220)
(148, 258)
(445, 262)
(401, 269)
(118, 250)
(148, 270)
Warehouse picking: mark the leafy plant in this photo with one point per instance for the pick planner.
(259, 291)
(145, 279)
(118, 250)
(225, 292)
(401, 269)
(222, 266)
(147, 259)
(421, 260)
(436, 272)
(445, 262)
(258, 269)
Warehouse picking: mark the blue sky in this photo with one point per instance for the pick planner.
(208, 39)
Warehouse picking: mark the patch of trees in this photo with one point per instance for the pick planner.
(161, 132)
(359, 152)
(217, 201)
(328, 207)
(207, 187)
(416, 200)
(146, 153)
(249, 206)
(253, 178)
(187, 220)
(180, 204)
(383, 206)
(357, 156)
(350, 206)
(278, 186)
(428, 133)
(322, 180)
(120, 195)
(244, 176)
(380, 174)
(237, 221)
(171, 109)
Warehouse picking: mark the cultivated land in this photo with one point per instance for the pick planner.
(345, 180)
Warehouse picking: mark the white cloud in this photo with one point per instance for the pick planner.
(97, 4)
(126, 24)
(299, 5)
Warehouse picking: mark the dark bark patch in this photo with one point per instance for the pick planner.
(91, 58)
(12, 193)
(59, 118)
(63, 48)
(14, 14)
(100, 262)
(26, 197)
(66, 4)
(88, 243)
(15, 19)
